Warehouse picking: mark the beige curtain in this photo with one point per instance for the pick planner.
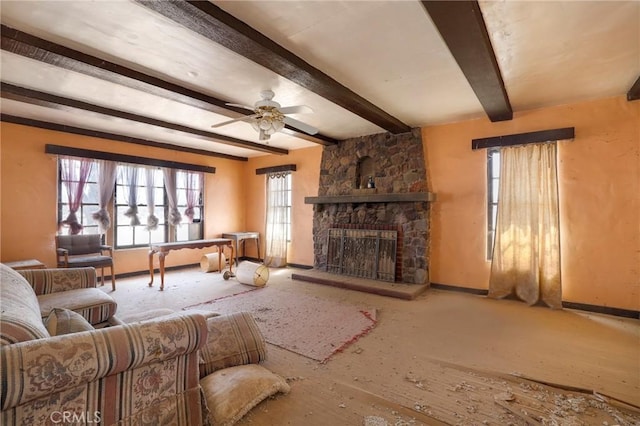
(526, 253)
(277, 226)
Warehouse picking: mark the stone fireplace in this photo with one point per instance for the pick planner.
(397, 205)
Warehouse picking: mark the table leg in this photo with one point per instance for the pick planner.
(219, 259)
(151, 252)
(237, 250)
(161, 257)
(231, 261)
(258, 247)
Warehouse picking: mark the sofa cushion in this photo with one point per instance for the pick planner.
(232, 392)
(20, 318)
(63, 321)
(93, 304)
(233, 339)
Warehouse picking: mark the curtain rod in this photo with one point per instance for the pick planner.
(101, 155)
(276, 169)
(524, 138)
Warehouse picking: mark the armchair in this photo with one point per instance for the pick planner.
(75, 251)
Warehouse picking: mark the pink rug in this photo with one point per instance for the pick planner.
(307, 325)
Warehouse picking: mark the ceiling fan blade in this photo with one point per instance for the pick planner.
(298, 109)
(245, 118)
(240, 106)
(300, 125)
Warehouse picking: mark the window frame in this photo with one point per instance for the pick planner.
(117, 205)
(170, 232)
(493, 156)
(81, 210)
(289, 206)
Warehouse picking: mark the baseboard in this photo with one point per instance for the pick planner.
(299, 266)
(155, 271)
(606, 310)
(448, 287)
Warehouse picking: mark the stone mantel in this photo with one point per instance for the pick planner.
(405, 197)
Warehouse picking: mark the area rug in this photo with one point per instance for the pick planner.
(307, 325)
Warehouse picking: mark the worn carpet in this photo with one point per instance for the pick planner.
(307, 325)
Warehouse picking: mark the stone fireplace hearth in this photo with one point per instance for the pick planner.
(399, 202)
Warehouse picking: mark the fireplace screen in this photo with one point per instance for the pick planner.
(363, 253)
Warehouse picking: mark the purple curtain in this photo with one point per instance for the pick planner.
(75, 173)
(193, 185)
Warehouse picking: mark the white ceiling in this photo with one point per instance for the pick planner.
(388, 52)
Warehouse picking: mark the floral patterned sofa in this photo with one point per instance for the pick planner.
(179, 369)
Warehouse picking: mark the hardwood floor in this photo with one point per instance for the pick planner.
(443, 358)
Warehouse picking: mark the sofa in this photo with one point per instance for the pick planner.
(177, 369)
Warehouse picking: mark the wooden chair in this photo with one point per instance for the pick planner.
(74, 251)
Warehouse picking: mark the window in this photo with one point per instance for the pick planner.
(127, 236)
(88, 203)
(493, 183)
(189, 188)
(278, 226)
(189, 184)
(280, 202)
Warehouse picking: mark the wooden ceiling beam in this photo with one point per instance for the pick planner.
(111, 136)
(215, 24)
(462, 27)
(634, 93)
(47, 100)
(32, 47)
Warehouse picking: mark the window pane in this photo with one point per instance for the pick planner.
(494, 216)
(495, 186)
(182, 232)
(121, 194)
(495, 164)
(90, 194)
(142, 197)
(124, 236)
(142, 236)
(157, 236)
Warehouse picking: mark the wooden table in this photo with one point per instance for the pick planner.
(238, 237)
(163, 250)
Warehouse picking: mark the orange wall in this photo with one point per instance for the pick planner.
(28, 184)
(599, 186)
(304, 184)
(599, 183)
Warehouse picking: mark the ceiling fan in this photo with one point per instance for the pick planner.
(269, 117)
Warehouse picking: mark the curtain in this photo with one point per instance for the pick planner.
(172, 196)
(277, 226)
(106, 183)
(74, 173)
(152, 219)
(130, 174)
(526, 254)
(193, 185)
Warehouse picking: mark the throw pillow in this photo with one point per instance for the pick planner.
(64, 321)
(233, 339)
(230, 393)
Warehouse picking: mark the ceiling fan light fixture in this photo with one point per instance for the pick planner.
(269, 118)
(265, 124)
